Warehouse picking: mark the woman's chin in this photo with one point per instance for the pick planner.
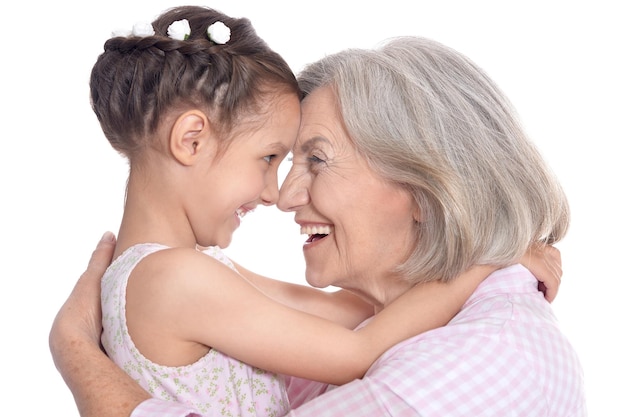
(316, 278)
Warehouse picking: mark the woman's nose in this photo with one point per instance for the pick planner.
(294, 192)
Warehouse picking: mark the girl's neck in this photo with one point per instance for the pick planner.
(152, 215)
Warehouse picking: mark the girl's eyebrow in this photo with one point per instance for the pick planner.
(278, 148)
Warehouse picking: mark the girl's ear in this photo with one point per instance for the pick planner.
(189, 135)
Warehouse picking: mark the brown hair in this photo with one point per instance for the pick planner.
(136, 81)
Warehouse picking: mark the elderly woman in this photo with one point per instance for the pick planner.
(409, 167)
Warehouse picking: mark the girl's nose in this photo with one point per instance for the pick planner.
(269, 196)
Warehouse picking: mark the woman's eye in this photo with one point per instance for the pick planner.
(315, 160)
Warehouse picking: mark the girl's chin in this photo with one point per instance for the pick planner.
(224, 242)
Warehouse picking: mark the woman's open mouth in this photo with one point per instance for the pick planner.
(315, 237)
(316, 232)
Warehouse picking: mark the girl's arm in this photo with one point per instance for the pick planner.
(201, 300)
(342, 306)
(195, 298)
(74, 344)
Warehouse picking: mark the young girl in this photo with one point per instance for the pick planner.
(205, 112)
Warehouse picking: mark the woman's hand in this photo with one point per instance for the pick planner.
(81, 312)
(544, 262)
(100, 388)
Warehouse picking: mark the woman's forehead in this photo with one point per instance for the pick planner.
(321, 123)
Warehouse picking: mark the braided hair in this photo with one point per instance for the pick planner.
(136, 81)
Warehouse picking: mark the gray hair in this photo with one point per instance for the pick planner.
(428, 119)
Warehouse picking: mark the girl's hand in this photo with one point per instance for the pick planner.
(544, 261)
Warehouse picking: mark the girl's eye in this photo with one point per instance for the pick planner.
(269, 158)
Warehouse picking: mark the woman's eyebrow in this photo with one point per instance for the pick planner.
(310, 143)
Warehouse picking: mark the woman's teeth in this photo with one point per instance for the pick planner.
(316, 230)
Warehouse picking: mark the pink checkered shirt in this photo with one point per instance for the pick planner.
(502, 355)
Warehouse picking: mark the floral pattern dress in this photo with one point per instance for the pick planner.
(217, 385)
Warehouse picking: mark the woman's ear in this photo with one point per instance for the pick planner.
(417, 213)
(189, 135)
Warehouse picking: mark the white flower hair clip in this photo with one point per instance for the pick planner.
(219, 33)
(179, 30)
(143, 29)
(139, 29)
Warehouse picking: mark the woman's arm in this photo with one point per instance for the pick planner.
(100, 388)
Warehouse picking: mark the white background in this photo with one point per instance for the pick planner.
(561, 63)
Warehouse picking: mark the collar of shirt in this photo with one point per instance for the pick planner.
(515, 279)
